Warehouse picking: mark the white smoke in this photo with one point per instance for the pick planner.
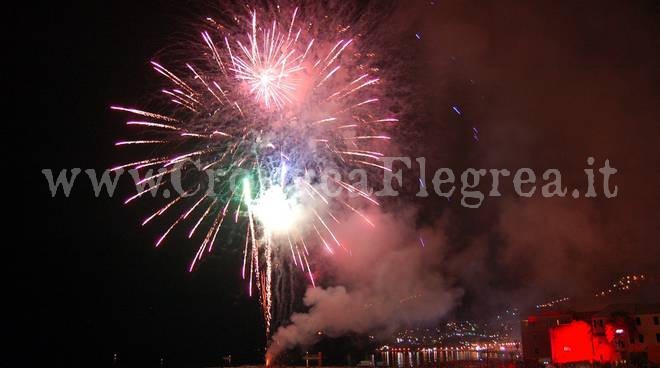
(386, 278)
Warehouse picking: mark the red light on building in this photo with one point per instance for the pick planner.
(571, 343)
(575, 342)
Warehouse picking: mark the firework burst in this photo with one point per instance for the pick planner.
(267, 105)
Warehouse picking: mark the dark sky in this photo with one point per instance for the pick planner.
(547, 84)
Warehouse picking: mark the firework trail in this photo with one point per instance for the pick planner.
(268, 102)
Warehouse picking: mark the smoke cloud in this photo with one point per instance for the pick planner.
(387, 278)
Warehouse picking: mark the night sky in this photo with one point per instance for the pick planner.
(546, 83)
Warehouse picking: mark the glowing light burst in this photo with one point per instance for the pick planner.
(284, 101)
(277, 212)
(269, 67)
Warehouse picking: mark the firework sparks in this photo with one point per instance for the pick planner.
(283, 102)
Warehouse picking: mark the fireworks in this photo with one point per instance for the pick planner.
(267, 104)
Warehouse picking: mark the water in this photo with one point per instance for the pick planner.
(436, 357)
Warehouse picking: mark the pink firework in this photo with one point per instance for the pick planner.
(280, 100)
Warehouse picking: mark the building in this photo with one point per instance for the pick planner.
(635, 327)
(617, 333)
(535, 335)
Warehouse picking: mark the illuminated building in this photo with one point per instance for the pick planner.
(635, 327)
(616, 333)
(535, 335)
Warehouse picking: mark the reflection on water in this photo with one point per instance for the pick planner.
(434, 357)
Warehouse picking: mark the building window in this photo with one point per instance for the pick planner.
(638, 321)
(656, 321)
(657, 337)
(632, 339)
(641, 339)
